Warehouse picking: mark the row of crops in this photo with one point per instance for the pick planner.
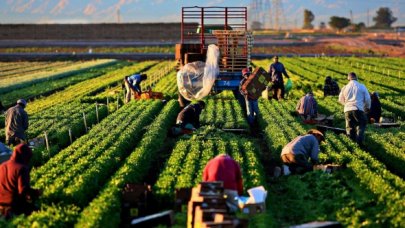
(26, 73)
(114, 143)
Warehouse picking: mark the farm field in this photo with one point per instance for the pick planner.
(97, 144)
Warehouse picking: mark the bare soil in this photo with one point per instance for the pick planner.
(379, 45)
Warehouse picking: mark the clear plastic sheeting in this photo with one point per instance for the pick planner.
(196, 79)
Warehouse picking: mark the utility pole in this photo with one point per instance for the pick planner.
(351, 17)
(260, 11)
(368, 18)
(351, 22)
(278, 14)
(267, 14)
(118, 16)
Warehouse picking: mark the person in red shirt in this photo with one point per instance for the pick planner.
(224, 168)
(16, 194)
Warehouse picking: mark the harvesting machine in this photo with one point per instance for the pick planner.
(225, 27)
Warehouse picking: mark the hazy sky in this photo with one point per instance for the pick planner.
(105, 11)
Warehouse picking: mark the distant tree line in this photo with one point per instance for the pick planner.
(383, 20)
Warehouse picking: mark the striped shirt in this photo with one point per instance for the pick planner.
(307, 106)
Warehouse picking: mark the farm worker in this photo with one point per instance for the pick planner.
(331, 88)
(252, 105)
(224, 168)
(183, 102)
(16, 194)
(189, 117)
(297, 153)
(355, 98)
(133, 82)
(277, 71)
(374, 113)
(307, 107)
(16, 121)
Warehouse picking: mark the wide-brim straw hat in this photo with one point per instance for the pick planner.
(316, 132)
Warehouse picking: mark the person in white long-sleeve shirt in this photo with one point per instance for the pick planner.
(356, 99)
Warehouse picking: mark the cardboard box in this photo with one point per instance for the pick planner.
(253, 208)
(256, 83)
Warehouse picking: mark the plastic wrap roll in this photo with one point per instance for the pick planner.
(196, 79)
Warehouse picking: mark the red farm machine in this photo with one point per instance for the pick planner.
(225, 27)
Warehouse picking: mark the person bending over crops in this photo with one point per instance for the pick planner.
(16, 194)
(307, 107)
(16, 121)
(301, 154)
(356, 99)
(374, 113)
(277, 71)
(188, 119)
(224, 168)
(133, 83)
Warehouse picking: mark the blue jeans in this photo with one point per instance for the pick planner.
(356, 122)
(252, 108)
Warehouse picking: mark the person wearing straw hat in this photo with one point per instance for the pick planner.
(16, 121)
(297, 153)
(356, 99)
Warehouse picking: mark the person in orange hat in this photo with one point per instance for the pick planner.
(252, 105)
(297, 153)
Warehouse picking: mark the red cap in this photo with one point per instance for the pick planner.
(245, 71)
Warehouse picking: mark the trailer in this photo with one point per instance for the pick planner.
(225, 27)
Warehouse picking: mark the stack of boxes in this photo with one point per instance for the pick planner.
(207, 207)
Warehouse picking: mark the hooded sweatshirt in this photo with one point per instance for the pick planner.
(224, 168)
(14, 178)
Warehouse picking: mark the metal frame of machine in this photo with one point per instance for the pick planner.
(224, 26)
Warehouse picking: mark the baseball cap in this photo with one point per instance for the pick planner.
(245, 71)
(22, 101)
